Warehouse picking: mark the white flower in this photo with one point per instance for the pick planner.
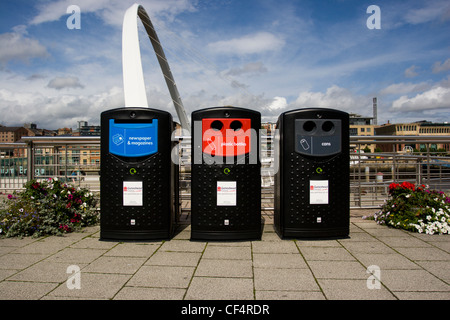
(408, 195)
(21, 209)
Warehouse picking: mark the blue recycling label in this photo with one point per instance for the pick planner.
(133, 139)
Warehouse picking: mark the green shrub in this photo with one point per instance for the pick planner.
(416, 208)
(47, 208)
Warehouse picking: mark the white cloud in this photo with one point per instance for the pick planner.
(335, 97)
(438, 67)
(278, 103)
(52, 112)
(249, 68)
(433, 99)
(15, 46)
(431, 11)
(111, 12)
(248, 44)
(411, 72)
(402, 88)
(59, 83)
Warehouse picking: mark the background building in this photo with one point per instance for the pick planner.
(362, 126)
(421, 128)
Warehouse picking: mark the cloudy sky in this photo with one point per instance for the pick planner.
(267, 55)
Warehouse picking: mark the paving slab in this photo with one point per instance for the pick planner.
(162, 277)
(169, 258)
(93, 286)
(412, 280)
(411, 266)
(20, 261)
(120, 265)
(439, 269)
(353, 289)
(386, 261)
(338, 270)
(44, 271)
(74, 256)
(326, 253)
(138, 293)
(210, 288)
(130, 249)
(225, 268)
(279, 260)
(227, 252)
(289, 295)
(287, 246)
(284, 279)
(24, 290)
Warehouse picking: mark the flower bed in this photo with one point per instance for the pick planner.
(416, 208)
(47, 208)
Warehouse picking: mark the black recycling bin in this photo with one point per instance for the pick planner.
(226, 174)
(138, 180)
(312, 184)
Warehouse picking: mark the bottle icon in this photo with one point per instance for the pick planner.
(304, 144)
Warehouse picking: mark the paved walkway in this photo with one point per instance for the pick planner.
(409, 265)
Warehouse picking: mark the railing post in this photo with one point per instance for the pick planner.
(359, 176)
(30, 161)
(428, 163)
(419, 171)
(65, 163)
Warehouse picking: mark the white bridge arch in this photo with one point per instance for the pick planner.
(133, 78)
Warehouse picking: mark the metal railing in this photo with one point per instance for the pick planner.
(77, 160)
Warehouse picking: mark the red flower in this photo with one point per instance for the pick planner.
(65, 227)
(393, 186)
(408, 185)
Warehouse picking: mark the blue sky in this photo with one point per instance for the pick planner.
(267, 55)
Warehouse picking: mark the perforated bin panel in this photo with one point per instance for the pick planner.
(299, 212)
(153, 214)
(226, 193)
(313, 181)
(244, 217)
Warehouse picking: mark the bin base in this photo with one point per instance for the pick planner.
(226, 235)
(120, 235)
(290, 233)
